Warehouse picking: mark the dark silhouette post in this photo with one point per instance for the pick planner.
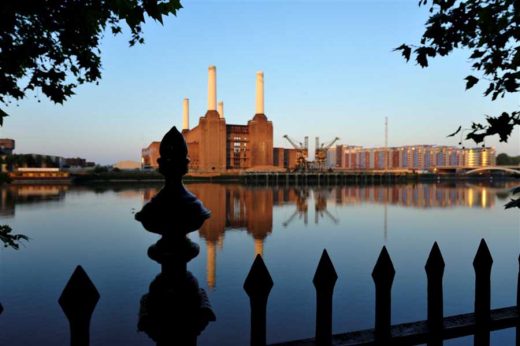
(435, 271)
(176, 310)
(518, 305)
(258, 285)
(78, 301)
(324, 282)
(383, 275)
(482, 265)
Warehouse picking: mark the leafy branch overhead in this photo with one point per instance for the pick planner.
(53, 46)
(490, 30)
(11, 240)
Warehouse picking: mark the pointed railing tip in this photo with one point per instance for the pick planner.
(258, 281)
(435, 260)
(384, 268)
(325, 273)
(483, 257)
(79, 296)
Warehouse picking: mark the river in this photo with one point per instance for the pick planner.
(94, 226)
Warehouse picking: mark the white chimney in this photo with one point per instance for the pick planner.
(212, 88)
(259, 92)
(221, 108)
(186, 114)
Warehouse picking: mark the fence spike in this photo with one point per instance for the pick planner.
(1, 309)
(78, 301)
(435, 271)
(518, 305)
(324, 281)
(482, 265)
(383, 276)
(258, 285)
(325, 275)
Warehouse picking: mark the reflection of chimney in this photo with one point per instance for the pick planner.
(259, 92)
(186, 114)
(259, 247)
(211, 263)
(221, 109)
(212, 88)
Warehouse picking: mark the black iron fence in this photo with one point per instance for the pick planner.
(80, 296)
(431, 331)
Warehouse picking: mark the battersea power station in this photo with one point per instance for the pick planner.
(214, 146)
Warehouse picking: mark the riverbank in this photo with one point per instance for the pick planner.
(314, 178)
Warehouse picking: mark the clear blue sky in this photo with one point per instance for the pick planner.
(329, 71)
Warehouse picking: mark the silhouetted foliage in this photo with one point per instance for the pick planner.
(100, 169)
(11, 240)
(490, 29)
(513, 202)
(4, 178)
(54, 45)
(504, 160)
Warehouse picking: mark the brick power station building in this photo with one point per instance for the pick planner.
(214, 145)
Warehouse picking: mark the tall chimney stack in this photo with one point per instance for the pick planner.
(221, 108)
(212, 88)
(186, 114)
(259, 92)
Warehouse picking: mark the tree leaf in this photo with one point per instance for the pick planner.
(2, 116)
(406, 51)
(471, 81)
(454, 133)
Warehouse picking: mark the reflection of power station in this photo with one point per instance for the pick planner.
(250, 209)
(302, 195)
(320, 206)
(233, 207)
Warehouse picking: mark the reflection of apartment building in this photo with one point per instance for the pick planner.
(214, 145)
(12, 195)
(418, 196)
(417, 157)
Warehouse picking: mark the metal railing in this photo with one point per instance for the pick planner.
(79, 298)
(431, 331)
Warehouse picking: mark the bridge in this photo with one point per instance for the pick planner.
(515, 170)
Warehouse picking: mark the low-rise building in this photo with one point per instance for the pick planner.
(127, 165)
(410, 157)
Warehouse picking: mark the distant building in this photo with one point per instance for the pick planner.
(76, 162)
(149, 156)
(214, 145)
(36, 174)
(127, 165)
(285, 158)
(411, 157)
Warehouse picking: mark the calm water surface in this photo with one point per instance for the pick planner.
(95, 227)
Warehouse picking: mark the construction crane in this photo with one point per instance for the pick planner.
(302, 150)
(320, 155)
